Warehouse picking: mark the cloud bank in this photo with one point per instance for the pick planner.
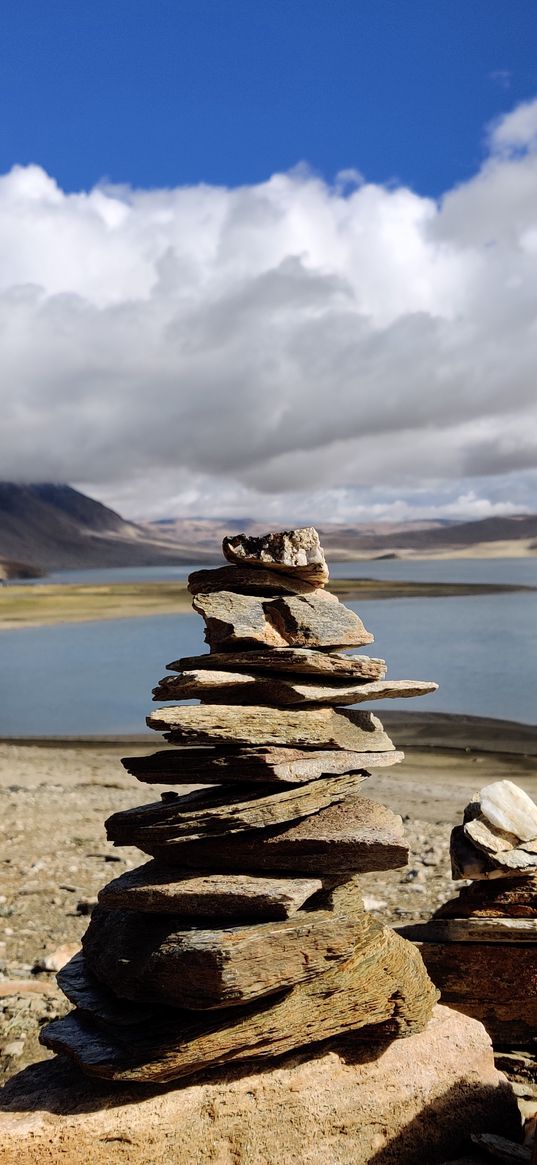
(293, 349)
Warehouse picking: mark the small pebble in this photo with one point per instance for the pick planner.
(86, 905)
(14, 1048)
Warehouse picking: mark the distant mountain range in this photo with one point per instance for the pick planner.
(54, 527)
(47, 527)
(490, 537)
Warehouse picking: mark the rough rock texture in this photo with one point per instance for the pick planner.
(221, 812)
(473, 930)
(202, 898)
(515, 897)
(384, 982)
(248, 621)
(498, 836)
(220, 687)
(317, 620)
(86, 993)
(315, 728)
(150, 958)
(357, 835)
(288, 660)
(496, 983)
(296, 552)
(348, 1104)
(236, 621)
(206, 766)
(245, 581)
(480, 948)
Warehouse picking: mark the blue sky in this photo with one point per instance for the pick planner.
(168, 92)
(276, 258)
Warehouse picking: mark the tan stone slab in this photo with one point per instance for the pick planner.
(356, 836)
(220, 687)
(468, 860)
(347, 1102)
(473, 930)
(514, 897)
(221, 812)
(207, 897)
(384, 982)
(175, 766)
(236, 621)
(490, 840)
(246, 581)
(295, 552)
(493, 982)
(248, 621)
(317, 620)
(150, 958)
(287, 660)
(315, 728)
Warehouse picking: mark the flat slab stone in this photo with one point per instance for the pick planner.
(175, 766)
(150, 958)
(514, 897)
(246, 581)
(315, 728)
(344, 1103)
(473, 930)
(287, 660)
(383, 983)
(90, 996)
(472, 860)
(498, 837)
(295, 552)
(356, 836)
(220, 687)
(487, 838)
(317, 620)
(223, 813)
(207, 897)
(493, 982)
(248, 621)
(508, 808)
(237, 621)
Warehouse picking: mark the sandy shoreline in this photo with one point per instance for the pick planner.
(57, 604)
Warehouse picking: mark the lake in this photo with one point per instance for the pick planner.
(93, 678)
(498, 570)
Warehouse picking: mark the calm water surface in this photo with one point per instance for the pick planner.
(500, 570)
(97, 677)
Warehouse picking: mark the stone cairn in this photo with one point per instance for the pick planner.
(245, 937)
(480, 948)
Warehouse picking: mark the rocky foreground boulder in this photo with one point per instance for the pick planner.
(347, 1103)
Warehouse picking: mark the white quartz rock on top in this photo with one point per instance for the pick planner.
(507, 807)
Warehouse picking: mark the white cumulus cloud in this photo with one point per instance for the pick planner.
(292, 349)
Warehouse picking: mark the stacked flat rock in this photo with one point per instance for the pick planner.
(480, 948)
(245, 935)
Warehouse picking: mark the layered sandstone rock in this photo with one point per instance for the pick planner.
(245, 937)
(480, 948)
(352, 1102)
